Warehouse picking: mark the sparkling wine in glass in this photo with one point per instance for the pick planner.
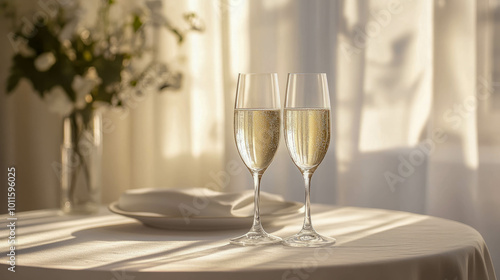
(307, 137)
(257, 123)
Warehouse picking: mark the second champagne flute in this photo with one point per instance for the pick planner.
(257, 124)
(307, 137)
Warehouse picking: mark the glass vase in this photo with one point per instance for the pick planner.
(81, 152)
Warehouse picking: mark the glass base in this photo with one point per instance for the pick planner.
(254, 238)
(308, 238)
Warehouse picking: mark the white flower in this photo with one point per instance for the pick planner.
(58, 101)
(155, 8)
(83, 86)
(88, 13)
(44, 61)
(116, 15)
(68, 30)
(127, 37)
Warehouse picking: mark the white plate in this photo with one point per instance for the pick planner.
(206, 223)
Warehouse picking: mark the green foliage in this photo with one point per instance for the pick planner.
(137, 23)
(16, 73)
(96, 54)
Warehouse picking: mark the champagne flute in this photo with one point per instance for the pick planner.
(257, 124)
(307, 137)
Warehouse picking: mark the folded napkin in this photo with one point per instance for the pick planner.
(199, 202)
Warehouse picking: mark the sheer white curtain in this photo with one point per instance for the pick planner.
(415, 113)
(173, 139)
(413, 93)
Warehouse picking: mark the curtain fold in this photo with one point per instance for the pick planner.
(453, 167)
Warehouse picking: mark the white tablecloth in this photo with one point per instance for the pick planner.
(371, 244)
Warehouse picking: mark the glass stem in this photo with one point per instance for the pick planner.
(307, 215)
(257, 226)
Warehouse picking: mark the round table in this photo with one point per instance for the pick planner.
(371, 244)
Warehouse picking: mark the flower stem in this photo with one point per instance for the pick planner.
(79, 132)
